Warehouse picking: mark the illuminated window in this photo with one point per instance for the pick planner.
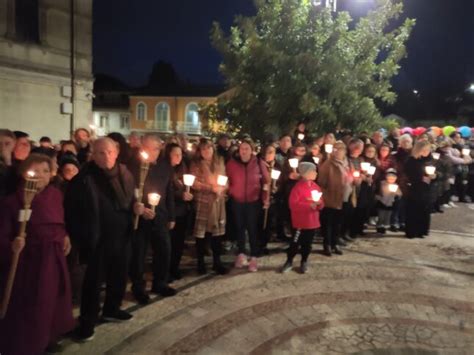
(141, 111)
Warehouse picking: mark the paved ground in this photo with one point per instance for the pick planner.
(385, 295)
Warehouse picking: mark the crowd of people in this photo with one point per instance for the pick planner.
(82, 235)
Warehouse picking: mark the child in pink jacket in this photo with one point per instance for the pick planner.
(305, 203)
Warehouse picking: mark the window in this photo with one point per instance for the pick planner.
(192, 115)
(104, 121)
(141, 111)
(162, 112)
(27, 20)
(124, 121)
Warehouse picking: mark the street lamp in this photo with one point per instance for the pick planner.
(416, 92)
(471, 88)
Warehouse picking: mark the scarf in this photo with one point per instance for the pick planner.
(123, 198)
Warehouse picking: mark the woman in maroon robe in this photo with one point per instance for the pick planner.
(40, 308)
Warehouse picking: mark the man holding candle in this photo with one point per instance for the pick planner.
(305, 205)
(155, 225)
(98, 206)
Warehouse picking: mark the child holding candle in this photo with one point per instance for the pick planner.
(388, 192)
(305, 205)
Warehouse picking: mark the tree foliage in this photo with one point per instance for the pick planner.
(294, 60)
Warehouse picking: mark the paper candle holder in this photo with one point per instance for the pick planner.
(393, 187)
(222, 180)
(430, 170)
(316, 195)
(371, 170)
(300, 136)
(188, 179)
(436, 156)
(276, 174)
(356, 174)
(365, 166)
(293, 163)
(466, 152)
(316, 160)
(328, 148)
(154, 199)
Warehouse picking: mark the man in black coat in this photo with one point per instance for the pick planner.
(98, 212)
(153, 227)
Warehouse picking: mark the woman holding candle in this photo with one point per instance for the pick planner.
(249, 187)
(419, 175)
(209, 202)
(182, 198)
(305, 205)
(40, 308)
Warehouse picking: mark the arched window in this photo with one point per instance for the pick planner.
(141, 111)
(192, 116)
(162, 114)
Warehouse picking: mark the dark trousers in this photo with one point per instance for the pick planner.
(346, 216)
(357, 220)
(303, 238)
(216, 246)
(331, 219)
(178, 236)
(246, 219)
(418, 217)
(399, 212)
(108, 263)
(159, 238)
(265, 234)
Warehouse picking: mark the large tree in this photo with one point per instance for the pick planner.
(294, 61)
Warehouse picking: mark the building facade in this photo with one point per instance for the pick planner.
(36, 66)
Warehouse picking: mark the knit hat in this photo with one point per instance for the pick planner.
(69, 158)
(306, 167)
(391, 171)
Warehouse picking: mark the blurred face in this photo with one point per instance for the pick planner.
(69, 171)
(315, 150)
(245, 152)
(377, 137)
(105, 154)
(329, 139)
(384, 152)
(311, 175)
(176, 155)
(285, 143)
(207, 152)
(356, 150)
(153, 148)
(406, 144)
(69, 148)
(426, 151)
(82, 137)
(391, 179)
(370, 153)
(46, 144)
(339, 154)
(224, 142)
(22, 148)
(270, 154)
(395, 132)
(134, 141)
(300, 152)
(42, 173)
(6, 144)
(301, 127)
(457, 138)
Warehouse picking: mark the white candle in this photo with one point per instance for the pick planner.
(188, 179)
(144, 155)
(356, 174)
(276, 174)
(328, 148)
(365, 166)
(153, 199)
(300, 136)
(316, 195)
(466, 152)
(222, 180)
(371, 170)
(316, 160)
(436, 156)
(430, 170)
(293, 163)
(392, 187)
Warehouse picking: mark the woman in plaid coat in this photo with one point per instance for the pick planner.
(209, 202)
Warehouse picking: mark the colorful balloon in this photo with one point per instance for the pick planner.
(448, 130)
(407, 130)
(436, 131)
(465, 131)
(418, 131)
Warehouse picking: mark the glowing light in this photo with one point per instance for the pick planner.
(316, 160)
(430, 170)
(365, 166)
(276, 174)
(222, 180)
(293, 163)
(188, 179)
(316, 195)
(153, 199)
(328, 148)
(371, 170)
(436, 156)
(393, 187)
(144, 155)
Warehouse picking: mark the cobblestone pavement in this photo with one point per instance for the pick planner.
(385, 295)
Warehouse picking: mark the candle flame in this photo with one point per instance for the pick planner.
(144, 155)
(30, 173)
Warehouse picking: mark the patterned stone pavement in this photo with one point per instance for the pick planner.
(385, 295)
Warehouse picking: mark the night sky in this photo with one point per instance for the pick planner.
(133, 35)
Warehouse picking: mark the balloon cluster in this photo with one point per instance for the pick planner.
(465, 131)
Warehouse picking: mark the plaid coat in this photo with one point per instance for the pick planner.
(210, 209)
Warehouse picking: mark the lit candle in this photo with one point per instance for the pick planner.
(436, 156)
(371, 170)
(188, 180)
(430, 170)
(393, 187)
(365, 166)
(31, 174)
(316, 160)
(356, 174)
(144, 155)
(276, 174)
(189, 147)
(293, 163)
(300, 136)
(153, 200)
(328, 148)
(316, 195)
(466, 152)
(222, 180)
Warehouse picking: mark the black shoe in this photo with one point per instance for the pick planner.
(381, 230)
(55, 347)
(410, 236)
(201, 269)
(141, 297)
(117, 316)
(286, 267)
(347, 238)
(342, 243)
(164, 291)
(220, 269)
(327, 251)
(175, 275)
(393, 228)
(402, 228)
(304, 267)
(337, 250)
(83, 334)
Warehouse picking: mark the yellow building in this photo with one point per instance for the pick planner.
(169, 114)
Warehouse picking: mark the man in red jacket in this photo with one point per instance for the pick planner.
(249, 185)
(305, 203)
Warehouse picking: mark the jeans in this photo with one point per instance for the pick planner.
(331, 219)
(246, 220)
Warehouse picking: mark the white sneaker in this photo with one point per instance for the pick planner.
(453, 205)
(446, 206)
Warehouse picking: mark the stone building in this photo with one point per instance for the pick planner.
(36, 66)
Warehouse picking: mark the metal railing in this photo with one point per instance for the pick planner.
(188, 127)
